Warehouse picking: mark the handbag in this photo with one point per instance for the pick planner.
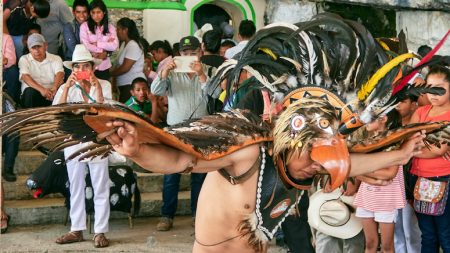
(430, 197)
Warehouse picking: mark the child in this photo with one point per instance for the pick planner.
(377, 205)
(431, 163)
(142, 100)
(99, 37)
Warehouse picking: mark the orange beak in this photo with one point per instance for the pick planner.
(332, 154)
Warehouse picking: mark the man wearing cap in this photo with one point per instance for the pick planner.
(186, 99)
(41, 73)
(83, 86)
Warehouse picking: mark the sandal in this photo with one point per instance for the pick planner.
(72, 236)
(5, 222)
(100, 240)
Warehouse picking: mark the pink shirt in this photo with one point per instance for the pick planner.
(97, 43)
(430, 167)
(382, 198)
(9, 51)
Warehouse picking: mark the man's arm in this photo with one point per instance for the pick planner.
(69, 39)
(161, 83)
(167, 160)
(366, 163)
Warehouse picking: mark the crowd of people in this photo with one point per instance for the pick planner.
(55, 55)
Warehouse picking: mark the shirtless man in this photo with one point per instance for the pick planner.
(222, 206)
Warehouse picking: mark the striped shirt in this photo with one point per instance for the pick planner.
(382, 198)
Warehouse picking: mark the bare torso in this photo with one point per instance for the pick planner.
(221, 207)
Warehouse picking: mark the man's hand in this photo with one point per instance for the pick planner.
(196, 66)
(412, 147)
(47, 93)
(169, 67)
(94, 81)
(125, 139)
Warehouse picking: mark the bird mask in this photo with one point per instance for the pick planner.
(310, 125)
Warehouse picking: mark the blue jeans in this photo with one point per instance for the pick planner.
(18, 45)
(170, 193)
(10, 146)
(435, 229)
(11, 77)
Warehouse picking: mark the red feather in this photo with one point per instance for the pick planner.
(425, 59)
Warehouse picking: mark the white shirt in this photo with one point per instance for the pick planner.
(42, 72)
(75, 95)
(231, 52)
(133, 52)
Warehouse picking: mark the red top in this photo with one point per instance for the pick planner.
(430, 167)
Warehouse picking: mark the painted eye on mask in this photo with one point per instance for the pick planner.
(324, 123)
(297, 123)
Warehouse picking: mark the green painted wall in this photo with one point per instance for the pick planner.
(143, 4)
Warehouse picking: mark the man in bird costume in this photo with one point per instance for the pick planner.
(257, 170)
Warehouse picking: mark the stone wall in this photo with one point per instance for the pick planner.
(136, 15)
(289, 11)
(424, 28)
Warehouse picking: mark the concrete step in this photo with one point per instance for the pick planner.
(147, 182)
(53, 211)
(28, 161)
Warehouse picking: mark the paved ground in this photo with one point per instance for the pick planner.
(142, 238)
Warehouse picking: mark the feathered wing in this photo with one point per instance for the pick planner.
(68, 124)
(436, 133)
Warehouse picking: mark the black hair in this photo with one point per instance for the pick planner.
(91, 23)
(247, 29)
(34, 26)
(394, 119)
(145, 45)
(82, 3)
(133, 32)
(164, 45)
(211, 40)
(176, 48)
(138, 80)
(440, 70)
(423, 50)
(228, 43)
(41, 8)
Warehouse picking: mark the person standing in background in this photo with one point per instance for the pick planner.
(130, 59)
(99, 37)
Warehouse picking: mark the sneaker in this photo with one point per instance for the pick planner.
(164, 224)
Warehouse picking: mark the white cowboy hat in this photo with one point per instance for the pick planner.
(329, 214)
(81, 54)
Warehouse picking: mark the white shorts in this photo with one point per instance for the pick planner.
(384, 217)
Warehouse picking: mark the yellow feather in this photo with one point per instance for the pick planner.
(383, 45)
(368, 87)
(268, 52)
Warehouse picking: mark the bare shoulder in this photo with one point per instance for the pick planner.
(237, 159)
